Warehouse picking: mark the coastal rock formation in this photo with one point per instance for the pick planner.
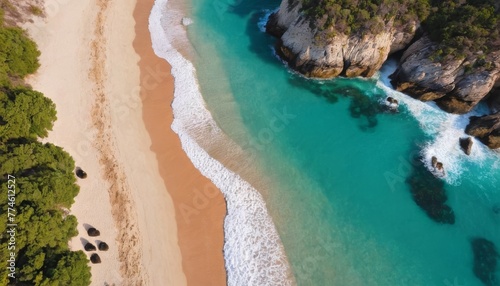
(486, 129)
(457, 84)
(494, 98)
(466, 145)
(329, 53)
(438, 167)
(485, 260)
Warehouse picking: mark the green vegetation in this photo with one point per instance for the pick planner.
(18, 54)
(35, 10)
(44, 181)
(464, 27)
(351, 16)
(461, 27)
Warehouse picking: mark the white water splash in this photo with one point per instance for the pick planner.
(252, 249)
(443, 128)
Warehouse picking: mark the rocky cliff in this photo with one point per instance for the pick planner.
(457, 84)
(486, 129)
(328, 53)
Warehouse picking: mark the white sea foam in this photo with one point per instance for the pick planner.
(263, 20)
(443, 128)
(252, 250)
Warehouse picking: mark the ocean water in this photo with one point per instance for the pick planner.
(337, 170)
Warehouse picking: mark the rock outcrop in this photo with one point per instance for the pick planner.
(326, 54)
(466, 145)
(486, 129)
(456, 84)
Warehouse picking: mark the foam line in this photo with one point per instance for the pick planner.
(252, 249)
(443, 128)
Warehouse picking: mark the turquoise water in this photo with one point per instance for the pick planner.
(338, 163)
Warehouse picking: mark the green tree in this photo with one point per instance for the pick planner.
(25, 113)
(18, 54)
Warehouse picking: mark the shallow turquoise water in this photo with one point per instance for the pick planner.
(338, 163)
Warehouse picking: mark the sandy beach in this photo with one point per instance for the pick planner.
(96, 71)
(199, 205)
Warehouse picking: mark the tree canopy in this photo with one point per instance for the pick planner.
(45, 185)
(359, 16)
(464, 27)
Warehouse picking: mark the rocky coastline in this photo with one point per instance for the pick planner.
(457, 83)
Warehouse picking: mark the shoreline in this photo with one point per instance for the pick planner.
(89, 68)
(199, 206)
(253, 250)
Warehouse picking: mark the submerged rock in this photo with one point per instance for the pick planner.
(429, 194)
(466, 145)
(486, 129)
(485, 261)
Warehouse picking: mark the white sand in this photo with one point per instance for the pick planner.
(124, 196)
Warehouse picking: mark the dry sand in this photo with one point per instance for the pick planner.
(90, 70)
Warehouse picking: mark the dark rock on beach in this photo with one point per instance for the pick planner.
(93, 232)
(485, 261)
(89, 247)
(466, 145)
(486, 129)
(95, 259)
(103, 246)
(81, 173)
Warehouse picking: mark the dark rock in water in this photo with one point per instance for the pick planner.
(486, 129)
(429, 194)
(466, 145)
(80, 173)
(103, 246)
(434, 161)
(95, 259)
(485, 261)
(93, 232)
(496, 209)
(89, 247)
(439, 166)
(392, 103)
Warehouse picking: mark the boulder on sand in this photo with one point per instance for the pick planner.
(93, 232)
(94, 258)
(103, 246)
(80, 173)
(89, 247)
